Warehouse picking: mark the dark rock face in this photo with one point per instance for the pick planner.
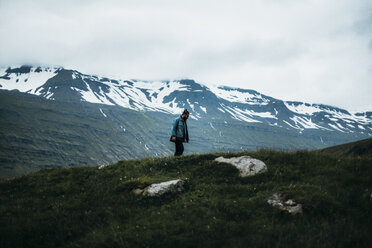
(20, 70)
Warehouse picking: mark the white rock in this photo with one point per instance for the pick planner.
(290, 202)
(102, 166)
(137, 191)
(277, 200)
(246, 165)
(157, 189)
(294, 209)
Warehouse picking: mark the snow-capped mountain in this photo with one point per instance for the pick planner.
(171, 97)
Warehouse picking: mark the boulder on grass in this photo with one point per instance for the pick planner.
(277, 200)
(246, 165)
(157, 189)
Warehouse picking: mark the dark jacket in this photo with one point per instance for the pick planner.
(179, 129)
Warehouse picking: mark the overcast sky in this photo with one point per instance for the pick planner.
(317, 51)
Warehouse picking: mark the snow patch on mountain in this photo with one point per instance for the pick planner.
(210, 123)
(295, 127)
(26, 82)
(238, 96)
(204, 109)
(91, 96)
(102, 112)
(306, 123)
(238, 115)
(156, 92)
(190, 104)
(257, 114)
(49, 95)
(304, 109)
(136, 95)
(336, 128)
(220, 109)
(333, 114)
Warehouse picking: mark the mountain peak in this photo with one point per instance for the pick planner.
(172, 96)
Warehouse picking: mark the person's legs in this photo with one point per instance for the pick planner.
(179, 148)
(177, 152)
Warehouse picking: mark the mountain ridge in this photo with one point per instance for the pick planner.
(173, 96)
(53, 117)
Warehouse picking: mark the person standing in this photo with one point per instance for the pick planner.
(180, 133)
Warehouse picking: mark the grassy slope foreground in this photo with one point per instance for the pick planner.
(361, 148)
(87, 207)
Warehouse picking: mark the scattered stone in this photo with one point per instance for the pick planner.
(290, 202)
(277, 200)
(294, 209)
(102, 166)
(246, 165)
(137, 191)
(158, 189)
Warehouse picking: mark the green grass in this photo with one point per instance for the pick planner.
(361, 148)
(87, 207)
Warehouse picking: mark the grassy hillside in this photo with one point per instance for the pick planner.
(88, 207)
(38, 133)
(362, 148)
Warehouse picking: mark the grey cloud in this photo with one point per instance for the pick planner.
(288, 49)
(264, 53)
